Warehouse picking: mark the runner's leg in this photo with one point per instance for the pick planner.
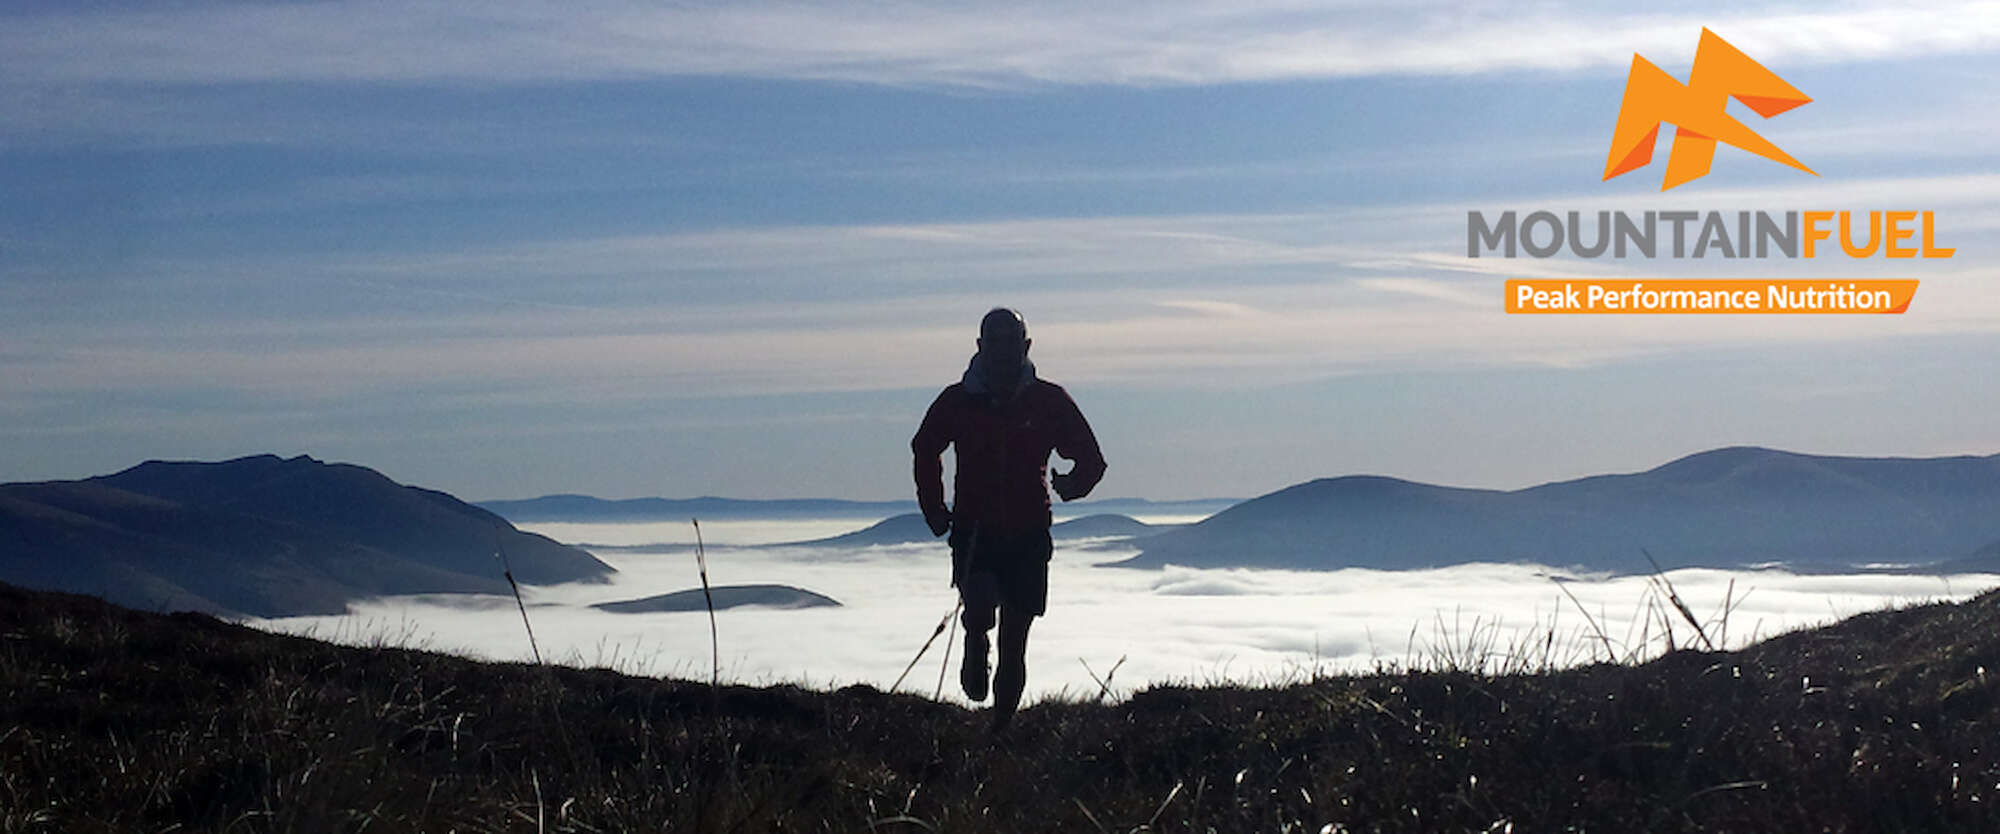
(1012, 676)
(980, 593)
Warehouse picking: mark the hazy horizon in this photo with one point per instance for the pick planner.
(1060, 508)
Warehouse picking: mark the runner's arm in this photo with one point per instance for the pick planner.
(928, 447)
(1077, 443)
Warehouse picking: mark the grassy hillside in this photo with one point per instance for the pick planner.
(112, 719)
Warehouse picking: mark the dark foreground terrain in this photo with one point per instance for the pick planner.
(112, 719)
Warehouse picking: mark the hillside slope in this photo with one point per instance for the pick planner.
(1721, 508)
(721, 597)
(910, 528)
(264, 536)
(118, 720)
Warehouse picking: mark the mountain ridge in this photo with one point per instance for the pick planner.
(910, 528)
(1726, 507)
(264, 536)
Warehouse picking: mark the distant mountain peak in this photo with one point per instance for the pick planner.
(1737, 455)
(1735, 505)
(258, 462)
(1360, 483)
(1731, 455)
(263, 535)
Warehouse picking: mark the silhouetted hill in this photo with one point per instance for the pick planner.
(264, 536)
(903, 529)
(117, 720)
(1983, 560)
(909, 528)
(724, 596)
(1102, 525)
(1727, 507)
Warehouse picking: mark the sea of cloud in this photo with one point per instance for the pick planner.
(1152, 626)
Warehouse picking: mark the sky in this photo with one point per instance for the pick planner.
(1140, 627)
(515, 248)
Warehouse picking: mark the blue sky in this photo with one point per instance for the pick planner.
(513, 248)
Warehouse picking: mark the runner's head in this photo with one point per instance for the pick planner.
(1003, 342)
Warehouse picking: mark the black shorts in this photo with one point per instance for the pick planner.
(1017, 563)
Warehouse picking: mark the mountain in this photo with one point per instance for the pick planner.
(1102, 525)
(1983, 560)
(724, 596)
(1727, 507)
(909, 528)
(263, 536)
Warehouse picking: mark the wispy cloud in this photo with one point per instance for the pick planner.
(1212, 300)
(953, 44)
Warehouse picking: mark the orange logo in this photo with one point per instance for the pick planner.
(1696, 112)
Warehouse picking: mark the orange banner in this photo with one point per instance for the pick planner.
(1593, 295)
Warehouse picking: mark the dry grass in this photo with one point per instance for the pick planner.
(114, 720)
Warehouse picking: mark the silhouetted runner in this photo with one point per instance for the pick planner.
(1003, 422)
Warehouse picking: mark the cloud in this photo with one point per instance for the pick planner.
(1208, 308)
(1178, 581)
(1279, 297)
(1455, 292)
(959, 44)
(1176, 624)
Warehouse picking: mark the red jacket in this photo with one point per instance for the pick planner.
(1003, 455)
